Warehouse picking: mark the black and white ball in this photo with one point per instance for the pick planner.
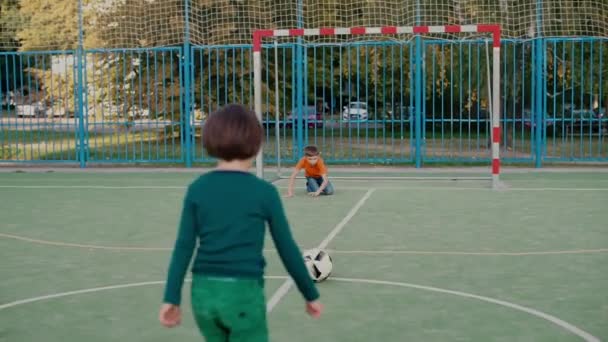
(319, 264)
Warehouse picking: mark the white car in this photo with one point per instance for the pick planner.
(30, 110)
(355, 111)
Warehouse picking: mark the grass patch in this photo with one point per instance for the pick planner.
(338, 145)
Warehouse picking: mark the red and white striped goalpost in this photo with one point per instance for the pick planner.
(259, 35)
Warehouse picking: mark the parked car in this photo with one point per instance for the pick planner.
(577, 110)
(401, 113)
(529, 120)
(310, 115)
(33, 110)
(585, 120)
(355, 111)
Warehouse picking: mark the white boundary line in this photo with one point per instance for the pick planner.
(112, 187)
(542, 315)
(563, 324)
(454, 253)
(397, 188)
(78, 245)
(356, 252)
(282, 291)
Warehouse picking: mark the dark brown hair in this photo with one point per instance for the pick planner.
(311, 151)
(232, 133)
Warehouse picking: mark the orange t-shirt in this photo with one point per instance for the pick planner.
(317, 170)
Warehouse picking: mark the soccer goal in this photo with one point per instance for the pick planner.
(439, 86)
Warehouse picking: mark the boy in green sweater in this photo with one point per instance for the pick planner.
(224, 218)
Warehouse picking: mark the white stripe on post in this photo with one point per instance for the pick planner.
(468, 28)
(373, 30)
(495, 149)
(257, 86)
(405, 29)
(436, 29)
(281, 33)
(342, 31)
(312, 32)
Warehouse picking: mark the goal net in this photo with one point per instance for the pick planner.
(359, 94)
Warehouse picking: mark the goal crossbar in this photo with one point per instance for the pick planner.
(494, 30)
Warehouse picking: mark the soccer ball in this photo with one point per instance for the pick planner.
(319, 264)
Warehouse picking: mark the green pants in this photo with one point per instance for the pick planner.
(229, 309)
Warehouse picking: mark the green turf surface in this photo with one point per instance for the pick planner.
(541, 244)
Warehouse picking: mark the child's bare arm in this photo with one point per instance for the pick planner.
(323, 185)
(292, 181)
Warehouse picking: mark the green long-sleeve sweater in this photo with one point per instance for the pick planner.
(227, 213)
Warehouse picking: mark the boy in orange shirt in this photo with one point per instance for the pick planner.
(315, 171)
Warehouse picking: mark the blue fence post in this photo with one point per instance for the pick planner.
(539, 74)
(418, 101)
(187, 71)
(418, 60)
(82, 153)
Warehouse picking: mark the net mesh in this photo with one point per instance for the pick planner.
(53, 24)
(231, 22)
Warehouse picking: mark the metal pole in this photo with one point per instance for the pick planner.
(187, 73)
(300, 74)
(257, 89)
(539, 91)
(276, 107)
(82, 151)
(419, 60)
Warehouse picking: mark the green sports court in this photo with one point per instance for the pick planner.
(415, 106)
(84, 257)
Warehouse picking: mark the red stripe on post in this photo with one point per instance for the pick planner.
(358, 30)
(257, 43)
(389, 30)
(257, 38)
(421, 29)
(495, 30)
(453, 29)
(496, 135)
(495, 166)
(327, 31)
(296, 32)
(496, 40)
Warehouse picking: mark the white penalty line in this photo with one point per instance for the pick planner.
(464, 253)
(545, 316)
(282, 291)
(109, 187)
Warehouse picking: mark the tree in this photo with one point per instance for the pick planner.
(53, 25)
(10, 70)
(10, 23)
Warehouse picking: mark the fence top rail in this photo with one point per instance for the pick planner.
(37, 53)
(124, 50)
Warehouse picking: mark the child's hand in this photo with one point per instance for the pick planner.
(314, 309)
(170, 315)
(315, 194)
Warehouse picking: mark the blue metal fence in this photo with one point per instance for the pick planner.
(361, 102)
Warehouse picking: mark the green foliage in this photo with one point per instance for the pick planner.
(221, 76)
(53, 25)
(10, 21)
